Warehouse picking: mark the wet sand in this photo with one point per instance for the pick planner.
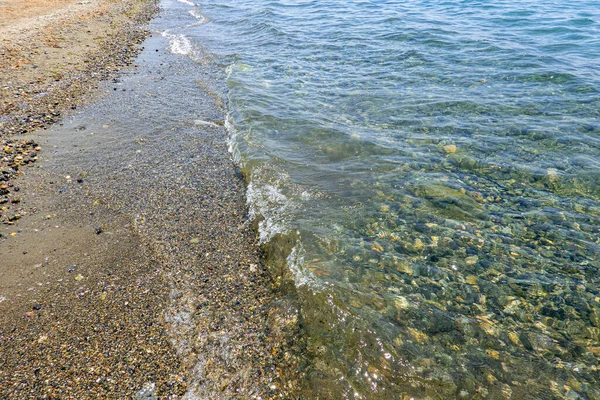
(52, 57)
(118, 281)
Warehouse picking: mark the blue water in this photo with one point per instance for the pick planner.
(432, 171)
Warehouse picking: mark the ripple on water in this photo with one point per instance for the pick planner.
(439, 165)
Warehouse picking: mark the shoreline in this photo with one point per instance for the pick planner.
(96, 277)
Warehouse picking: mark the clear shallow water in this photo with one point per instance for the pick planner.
(433, 170)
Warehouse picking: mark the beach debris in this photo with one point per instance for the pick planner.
(200, 122)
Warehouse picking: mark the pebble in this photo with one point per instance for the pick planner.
(401, 303)
(471, 260)
(449, 148)
(418, 244)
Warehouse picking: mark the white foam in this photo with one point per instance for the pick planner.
(189, 3)
(266, 200)
(263, 199)
(231, 137)
(180, 44)
(201, 18)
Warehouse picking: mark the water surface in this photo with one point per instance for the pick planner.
(433, 170)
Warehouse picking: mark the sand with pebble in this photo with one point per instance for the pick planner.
(110, 289)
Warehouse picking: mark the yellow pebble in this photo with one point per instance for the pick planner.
(377, 247)
(493, 353)
(419, 336)
(449, 148)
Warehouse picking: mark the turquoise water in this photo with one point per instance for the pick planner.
(432, 168)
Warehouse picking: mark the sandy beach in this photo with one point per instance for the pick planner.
(101, 294)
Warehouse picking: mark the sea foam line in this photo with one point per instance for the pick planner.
(201, 18)
(178, 44)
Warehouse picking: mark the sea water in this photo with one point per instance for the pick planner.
(430, 171)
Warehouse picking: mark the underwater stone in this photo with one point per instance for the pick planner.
(401, 303)
(471, 260)
(449, 148)
(471, 280)
(594, 316)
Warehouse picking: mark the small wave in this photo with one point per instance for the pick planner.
(189, 3)
(267, 201)
(179, 44)
(302, 276)
(183, 45)
(201, 18)
(231, 137)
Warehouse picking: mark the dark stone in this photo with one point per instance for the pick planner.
(438, 323)
(524, 338)
(470, 251)
(553, 312)
(421, 228)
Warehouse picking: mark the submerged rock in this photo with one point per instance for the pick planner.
(449, 148)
